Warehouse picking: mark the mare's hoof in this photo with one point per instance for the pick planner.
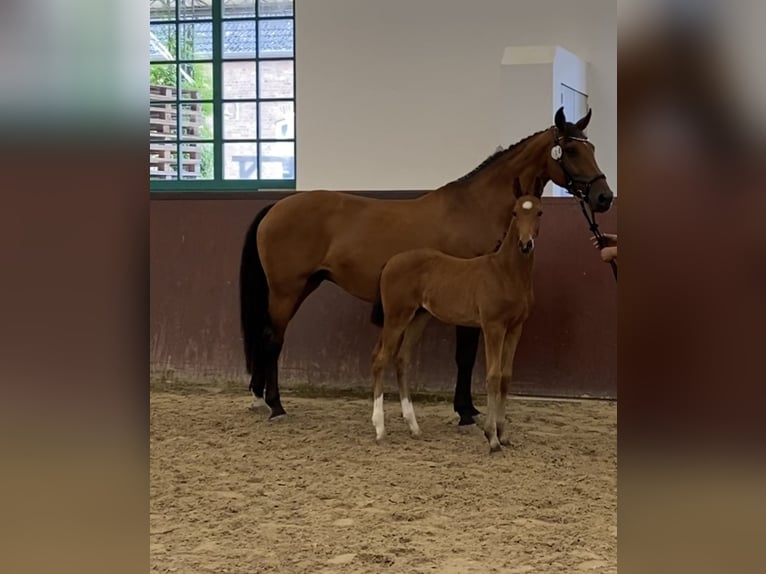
(277, 414)
(466, 419)
(257, 405)
(472, 410)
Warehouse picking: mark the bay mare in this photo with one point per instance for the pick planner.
(492, 292)
(306, 238)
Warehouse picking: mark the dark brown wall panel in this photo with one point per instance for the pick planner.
(569, 345)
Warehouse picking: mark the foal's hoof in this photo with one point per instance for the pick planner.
(505, 441)
(494, 447)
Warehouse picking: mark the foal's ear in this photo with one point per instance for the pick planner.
(583, 122)
(560, 119)
(517, 188)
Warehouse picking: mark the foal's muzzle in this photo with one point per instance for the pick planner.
(526, 246)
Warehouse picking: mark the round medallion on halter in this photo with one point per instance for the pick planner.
(556, 152)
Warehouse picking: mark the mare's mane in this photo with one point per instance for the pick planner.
(571, 130)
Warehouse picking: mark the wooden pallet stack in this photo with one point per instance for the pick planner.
(163, 133)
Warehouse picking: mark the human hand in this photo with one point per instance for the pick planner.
(608, 254)
(610, 240)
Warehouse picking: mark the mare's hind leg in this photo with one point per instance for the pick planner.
(257, 387)
(466, 346)
(283, 304)
(403, 361)
(509, 352)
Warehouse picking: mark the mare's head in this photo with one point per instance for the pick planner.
(527, 212)
(572, 163)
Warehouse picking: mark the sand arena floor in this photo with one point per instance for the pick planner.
(314, 493)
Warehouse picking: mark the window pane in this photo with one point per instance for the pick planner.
(276, 79)
(275, 7)
(162, 42)
(162, 121)
(238, 39)
(238, 8)
(197, 161)
(195, 9)
(240, 121)
(277, 120)
(163, 162)
(240, 161)
(195, 41)
(276, 38)
(278, 160)
(162, 9)
(196, 81)
(162, 81)
(239, 80)
(197, 121)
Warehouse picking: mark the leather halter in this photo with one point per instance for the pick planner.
(575, 185)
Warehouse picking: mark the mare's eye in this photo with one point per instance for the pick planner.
(571, 151)
(539, 214)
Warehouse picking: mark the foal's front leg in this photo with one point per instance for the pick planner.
(509, 352)
(493, 346)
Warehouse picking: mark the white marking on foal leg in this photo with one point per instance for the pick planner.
(377, 417)
(409, 415)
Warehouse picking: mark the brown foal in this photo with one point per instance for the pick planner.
(493, 292)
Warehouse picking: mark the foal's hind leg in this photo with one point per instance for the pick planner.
(386, 348)
(509, 352)
(403, 363)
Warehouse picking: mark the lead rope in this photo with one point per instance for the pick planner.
(591, 219)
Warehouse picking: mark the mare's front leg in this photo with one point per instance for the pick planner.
(466, 346)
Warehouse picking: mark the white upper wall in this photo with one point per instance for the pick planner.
(409, 94)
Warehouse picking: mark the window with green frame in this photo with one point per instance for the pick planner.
(221, 95)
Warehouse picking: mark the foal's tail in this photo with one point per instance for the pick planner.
(377, 307)
(253, 293)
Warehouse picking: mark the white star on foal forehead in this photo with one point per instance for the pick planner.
(526, 205)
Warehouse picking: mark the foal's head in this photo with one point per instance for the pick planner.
(527, 212)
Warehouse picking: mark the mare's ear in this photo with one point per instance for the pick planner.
(560, 119)
(583, 122)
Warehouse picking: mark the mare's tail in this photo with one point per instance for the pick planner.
(253, 294)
